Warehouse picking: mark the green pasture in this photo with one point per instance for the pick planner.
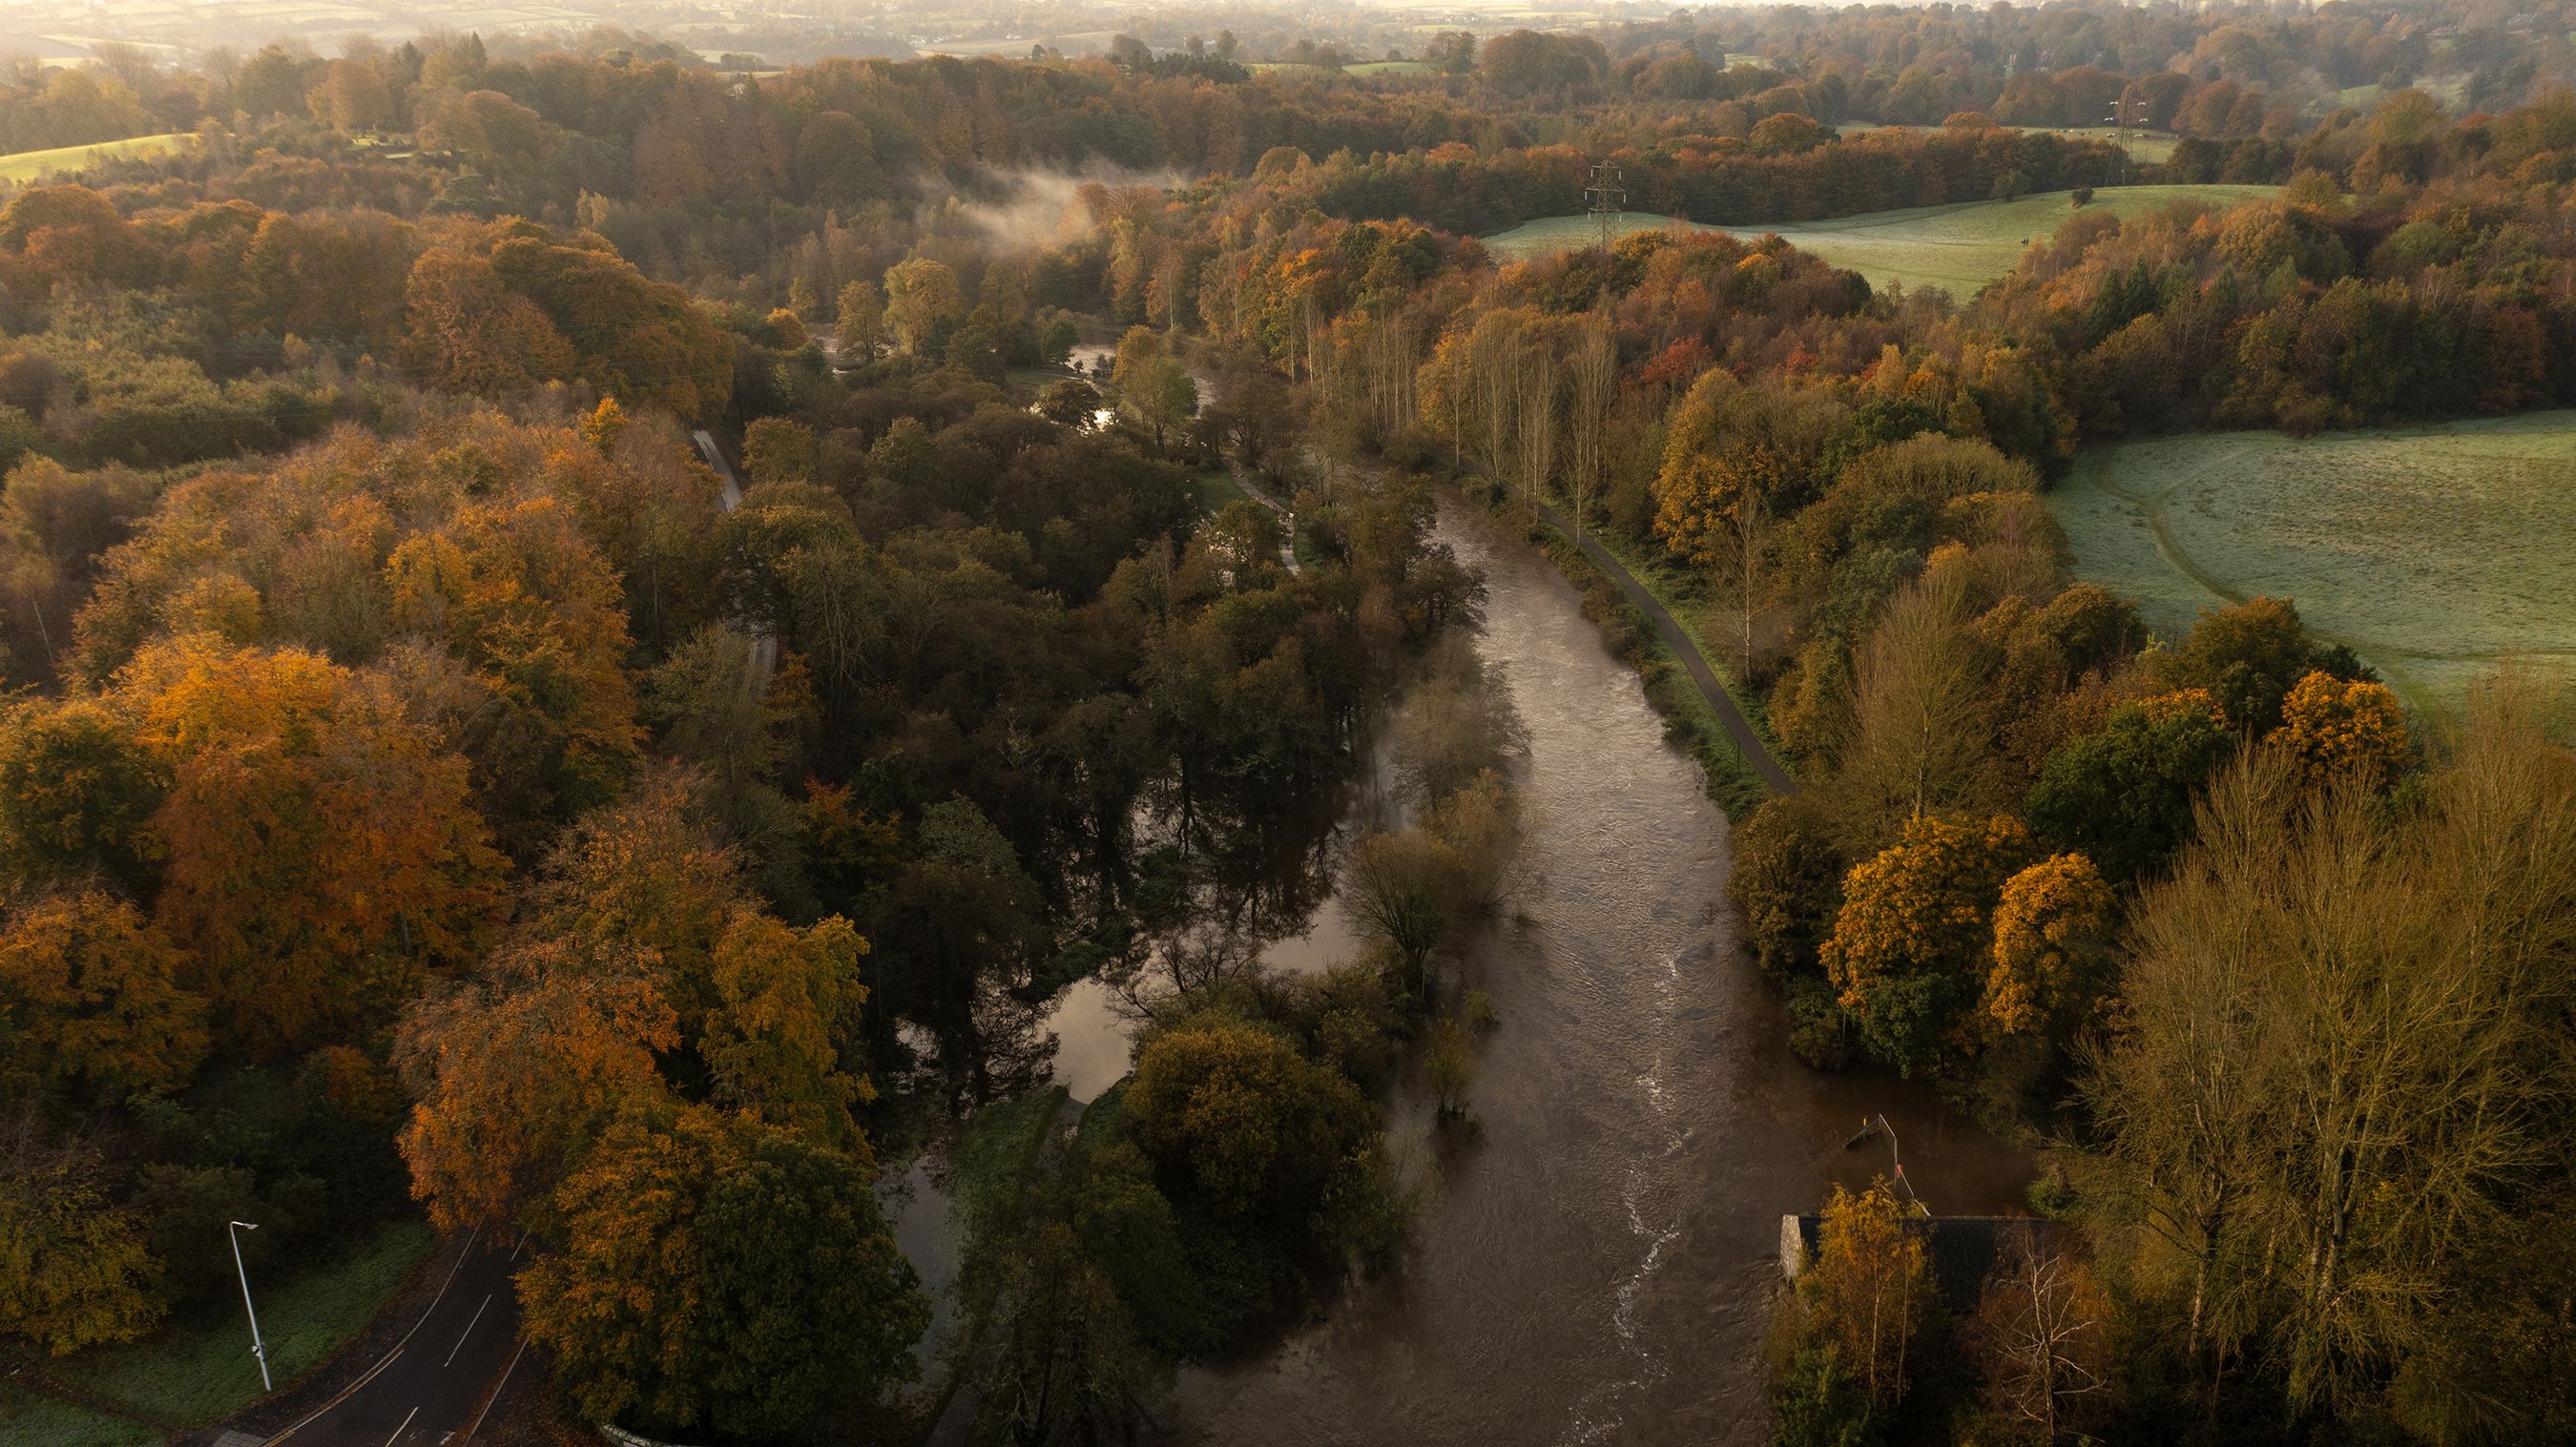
(1390, 67)
(2436, 554)
(2142, 145)
(66, 160)
(1958, 248)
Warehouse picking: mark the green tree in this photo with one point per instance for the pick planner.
(2122, 794)
(714, 1271)
(1249, 1124)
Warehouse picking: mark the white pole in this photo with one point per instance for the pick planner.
(233, 1233)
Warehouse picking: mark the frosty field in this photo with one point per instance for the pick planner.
(2435, 553)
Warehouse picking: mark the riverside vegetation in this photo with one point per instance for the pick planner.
(401, 809)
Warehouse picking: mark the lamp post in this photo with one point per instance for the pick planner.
(233, 1233)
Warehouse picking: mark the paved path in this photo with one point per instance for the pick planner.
(1738, 727)
(1287, 519)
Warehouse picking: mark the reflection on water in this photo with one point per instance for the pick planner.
(1598, 1262)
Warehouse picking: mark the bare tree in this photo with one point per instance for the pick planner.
(1536, 452)
(2039, 1330)
(1595, 374)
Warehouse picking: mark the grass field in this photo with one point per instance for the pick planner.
(2154, 146)
(2434, 554)
(1390, 67)
(25, 1417)
(1958, 248)
(1216, 489)
(63, 161)
(197, 1371)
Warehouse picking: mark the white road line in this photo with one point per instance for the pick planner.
(405, 1427)
(469, 1331)
(495, 1397)
(346, 1392)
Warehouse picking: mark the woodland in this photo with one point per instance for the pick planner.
(421, 792)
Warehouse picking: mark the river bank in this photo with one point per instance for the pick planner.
(1596, 1260)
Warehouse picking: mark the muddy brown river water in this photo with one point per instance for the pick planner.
(1597, 1263)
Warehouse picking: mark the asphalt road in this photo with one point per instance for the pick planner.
(431, 1388)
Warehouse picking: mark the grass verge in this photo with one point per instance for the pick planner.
(198, 1371)
(1689, 719)
(26, 1417)
(1216, 489)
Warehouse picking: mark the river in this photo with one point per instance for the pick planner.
(1597, 1262)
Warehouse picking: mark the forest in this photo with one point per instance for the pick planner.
(429, 785)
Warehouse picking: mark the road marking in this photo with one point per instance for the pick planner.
(495, 1397)
(405, 1427)
(351, 1389)
(461, 1336)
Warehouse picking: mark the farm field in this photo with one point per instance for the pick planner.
(1958, 248)
(2435, 554)
(2142, 145)
(63, 160)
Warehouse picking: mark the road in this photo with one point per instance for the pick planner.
(764, 647)
(430, 1389)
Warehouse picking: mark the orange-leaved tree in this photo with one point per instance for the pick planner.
(90, 1002)
(319, 851)
(1910, 945)
(2345, 731)
(2052, 947)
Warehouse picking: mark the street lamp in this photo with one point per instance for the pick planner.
(233, 1233)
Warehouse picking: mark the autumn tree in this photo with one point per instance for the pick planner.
(1868, 1289)
(2345, 732)
(783, 1041)
(73, 1268)
(518, 1071)
(320, 853)
(1918, 737)
(1251, 1126)
(1909, 948)
(90, 1002)
(860, 322)
(2052, 948)
(2042, 1335)
(777, 449)
(2333, 1008)
(922, 298)
(715, 1271)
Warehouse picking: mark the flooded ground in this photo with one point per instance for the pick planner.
(1597, 1263)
